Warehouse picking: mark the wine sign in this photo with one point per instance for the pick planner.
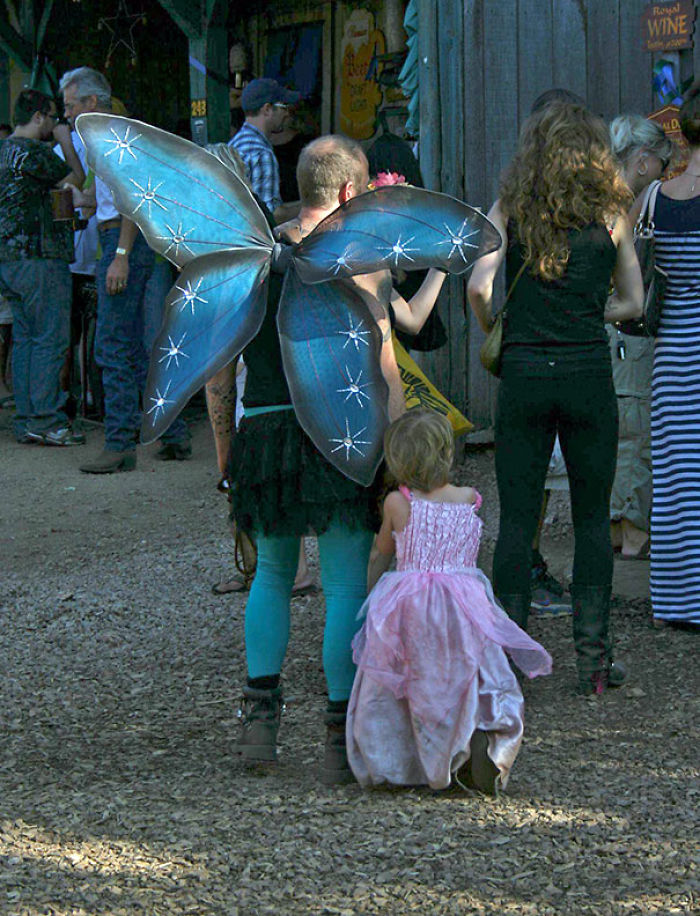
(668, 26)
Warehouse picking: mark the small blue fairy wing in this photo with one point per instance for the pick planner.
(330, 350)
(213, 311)
(396, 227)
(185, 201)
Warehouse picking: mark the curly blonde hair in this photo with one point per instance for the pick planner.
(419, 448)
(563, 177)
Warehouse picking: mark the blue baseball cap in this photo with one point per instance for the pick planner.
(261, 91)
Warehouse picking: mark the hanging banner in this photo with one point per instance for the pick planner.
(668, 26)
(360, 93)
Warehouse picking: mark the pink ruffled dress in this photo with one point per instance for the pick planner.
(431, 658)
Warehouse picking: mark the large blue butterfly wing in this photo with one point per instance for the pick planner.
(330, 349)
(183, 199)
(396, 227)
(213, 311)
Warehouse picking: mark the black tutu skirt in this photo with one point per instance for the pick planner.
(281, 485)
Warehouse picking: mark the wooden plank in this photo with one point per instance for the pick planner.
(451, 365)
(535, 53)
(450, 28)
(328, 78)
(569, 45)
(186, 14)
(501, 113)
(500, 101)
(430, 108)
(603, 57)
(479, 392)
(635, 63)
(474, 115)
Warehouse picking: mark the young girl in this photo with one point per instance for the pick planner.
(434, 695)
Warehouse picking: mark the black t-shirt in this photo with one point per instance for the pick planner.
(29, 169)
(561, 319)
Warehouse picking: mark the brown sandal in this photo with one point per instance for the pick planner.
(236, 585)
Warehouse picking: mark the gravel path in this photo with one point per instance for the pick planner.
(119, 792)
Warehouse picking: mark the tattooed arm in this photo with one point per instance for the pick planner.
(221, 406)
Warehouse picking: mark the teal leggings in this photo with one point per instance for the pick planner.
(344, 556)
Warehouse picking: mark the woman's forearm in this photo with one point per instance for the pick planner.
(412, 315)
(480, 303)
(617, 309)
(423, 302)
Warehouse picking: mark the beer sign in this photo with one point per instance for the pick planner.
(668, 26)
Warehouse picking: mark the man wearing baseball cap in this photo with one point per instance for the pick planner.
(264, 103)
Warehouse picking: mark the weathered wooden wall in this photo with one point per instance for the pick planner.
(482, 64)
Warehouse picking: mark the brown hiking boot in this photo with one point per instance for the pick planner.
(260, 722)
(336, 769)
(110, 462)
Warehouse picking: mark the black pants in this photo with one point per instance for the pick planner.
(582, 408)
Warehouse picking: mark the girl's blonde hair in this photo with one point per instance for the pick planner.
(419, 448)
(563, 177)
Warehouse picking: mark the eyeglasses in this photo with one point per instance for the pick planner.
(279, 105)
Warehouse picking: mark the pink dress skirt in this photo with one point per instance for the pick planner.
(431, 659)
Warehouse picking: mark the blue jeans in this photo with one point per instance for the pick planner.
(344, 555)
(158, 286)
(122, 323)
(39, 291)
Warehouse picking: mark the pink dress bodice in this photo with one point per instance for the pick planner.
(438, 536)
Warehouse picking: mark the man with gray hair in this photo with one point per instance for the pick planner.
(131, 289)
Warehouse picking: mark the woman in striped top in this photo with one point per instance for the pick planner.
(675, 417)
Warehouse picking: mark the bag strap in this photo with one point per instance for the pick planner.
(652, 205)
(645, 220)
(512, 287)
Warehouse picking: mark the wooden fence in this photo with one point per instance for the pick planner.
(482, 64)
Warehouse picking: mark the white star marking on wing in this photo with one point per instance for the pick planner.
(147, 195)
(339, 264)
(122, 144)
(173, 352)
(159, 403)
(189, 296)
(458, 239)
(176, 238)
(399, 250)
(354, 388)
(355, 335)
(350, 441)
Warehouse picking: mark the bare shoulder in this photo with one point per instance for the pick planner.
(451, 494)
(396, 502)
(466, 494)
(621, 230)
(397, 510)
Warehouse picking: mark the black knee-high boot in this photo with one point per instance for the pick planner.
(591, 624)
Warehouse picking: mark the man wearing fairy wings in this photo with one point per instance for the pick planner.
(312, 314)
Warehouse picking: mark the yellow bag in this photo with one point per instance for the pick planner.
(418, 391)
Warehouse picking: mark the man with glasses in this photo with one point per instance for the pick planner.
(35, 251)
(264, 104)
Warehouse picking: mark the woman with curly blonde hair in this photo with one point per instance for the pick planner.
(566, 237)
